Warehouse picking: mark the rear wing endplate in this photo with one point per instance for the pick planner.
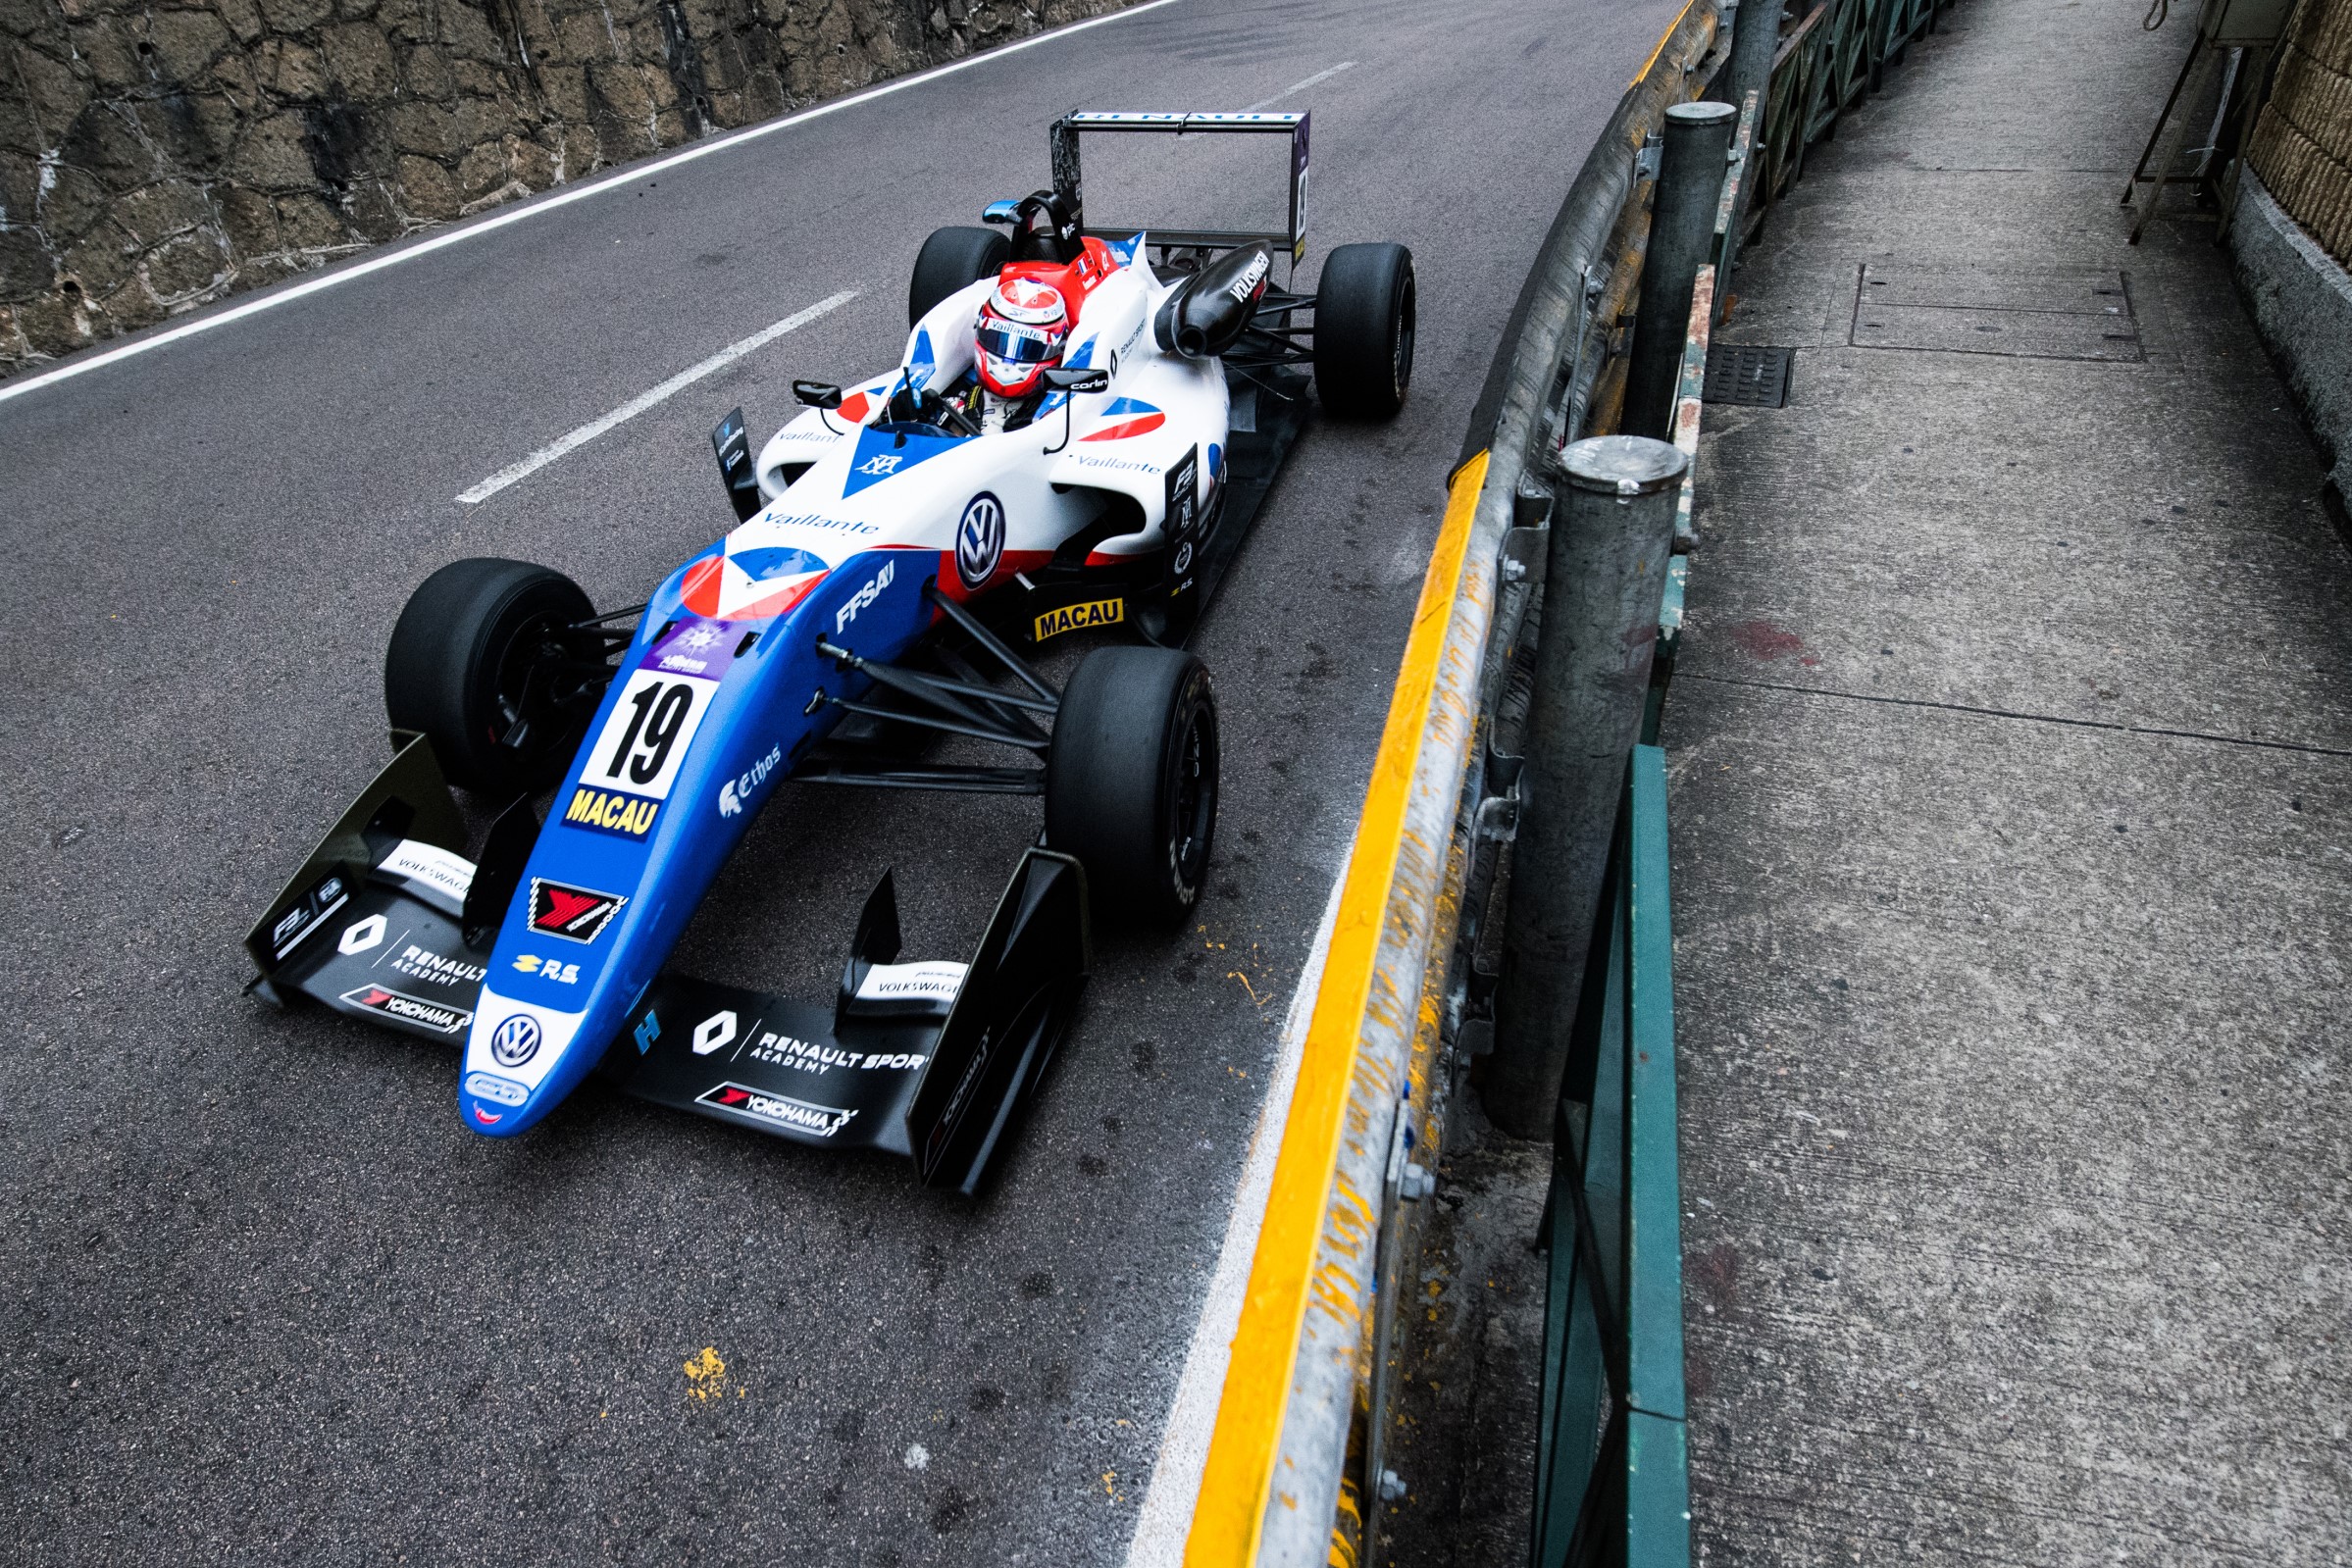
(1067, 180)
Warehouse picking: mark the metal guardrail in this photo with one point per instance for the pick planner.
(1614, 1486)
(1294, 1472)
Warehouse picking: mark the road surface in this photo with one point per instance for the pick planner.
(266, 1300)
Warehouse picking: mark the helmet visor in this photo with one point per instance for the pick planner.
(1023, 345)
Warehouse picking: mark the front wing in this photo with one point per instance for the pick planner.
(932, 1061)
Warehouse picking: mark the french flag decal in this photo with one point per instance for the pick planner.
(1127, 417)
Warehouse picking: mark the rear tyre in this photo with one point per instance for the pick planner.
(480, 663)
(1131, 782)
(1364, 330)
(952, 259)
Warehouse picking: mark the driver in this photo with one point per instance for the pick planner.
(1022, 332)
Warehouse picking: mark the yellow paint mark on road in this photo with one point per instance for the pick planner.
(706, 1375)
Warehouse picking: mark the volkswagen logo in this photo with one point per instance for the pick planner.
(980, 540)
(516, 1042)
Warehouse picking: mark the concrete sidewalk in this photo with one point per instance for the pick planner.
(2012, 851)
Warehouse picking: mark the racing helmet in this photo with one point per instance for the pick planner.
(1022, 329)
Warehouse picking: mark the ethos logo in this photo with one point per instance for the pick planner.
(735, 791)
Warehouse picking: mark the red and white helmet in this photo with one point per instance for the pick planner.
(1023, 329)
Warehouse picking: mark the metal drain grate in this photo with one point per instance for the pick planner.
(1753, 378)
(2023, 314)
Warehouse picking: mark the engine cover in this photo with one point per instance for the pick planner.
(1205, 318)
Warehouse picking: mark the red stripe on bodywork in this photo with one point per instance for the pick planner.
(702, 587)
(1138, 426)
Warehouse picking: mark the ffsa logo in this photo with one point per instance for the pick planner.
(980, 540)
(864, 596)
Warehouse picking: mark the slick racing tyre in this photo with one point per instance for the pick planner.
(1364, 330)
(1131, 782)
(478, 662)
(952, 259)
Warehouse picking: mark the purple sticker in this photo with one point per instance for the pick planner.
(692, 647)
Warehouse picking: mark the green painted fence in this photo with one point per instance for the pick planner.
(1612, 1477)
(1836, 53)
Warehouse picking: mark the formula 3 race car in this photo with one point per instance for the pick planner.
(896, 545)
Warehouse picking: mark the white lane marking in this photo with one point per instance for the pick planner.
(560, 197)
(1299, 86)
(645, 400)
(1167, 1511)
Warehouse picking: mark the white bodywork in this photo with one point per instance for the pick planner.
(1052, 477)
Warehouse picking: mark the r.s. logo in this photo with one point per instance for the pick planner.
(980, 540)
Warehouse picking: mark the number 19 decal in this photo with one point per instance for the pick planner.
(645, 739)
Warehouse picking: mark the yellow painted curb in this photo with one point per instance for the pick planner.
(1231, 1510)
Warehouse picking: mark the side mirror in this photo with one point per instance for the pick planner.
(999, 212)
(818, 394)
(1093, 379)
(732, 444)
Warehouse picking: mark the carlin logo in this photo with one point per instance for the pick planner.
(980, 540)
(1080, 617)
(517, 1041)
(610, 811)
(576, 914)
(409, 1009)
(817, 1121)
(362, 936)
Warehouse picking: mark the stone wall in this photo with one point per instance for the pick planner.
(2302, 145)
(154, 156)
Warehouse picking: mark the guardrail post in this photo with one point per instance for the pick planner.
(1605, 577)
(1755, 37)
(1682, 229)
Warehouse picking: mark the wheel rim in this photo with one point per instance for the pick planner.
(1195, 797)
(526, 707)
(1400, 364)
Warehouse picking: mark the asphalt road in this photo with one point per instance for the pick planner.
(262, 1297)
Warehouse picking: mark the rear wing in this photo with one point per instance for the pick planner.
(1067, 180)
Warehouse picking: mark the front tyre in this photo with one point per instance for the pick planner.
(1364, 313)
(482, 664)
(952, 259)
(1131, 782)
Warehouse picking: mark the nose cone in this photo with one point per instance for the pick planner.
(516, 1064)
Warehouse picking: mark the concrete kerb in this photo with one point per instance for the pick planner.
(2302, 303)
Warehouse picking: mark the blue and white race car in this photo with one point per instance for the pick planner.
(1078, 433)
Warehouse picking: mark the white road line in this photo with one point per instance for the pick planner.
(645, 400)
(1299, 86)
(562, 196)
(1167, 1511)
